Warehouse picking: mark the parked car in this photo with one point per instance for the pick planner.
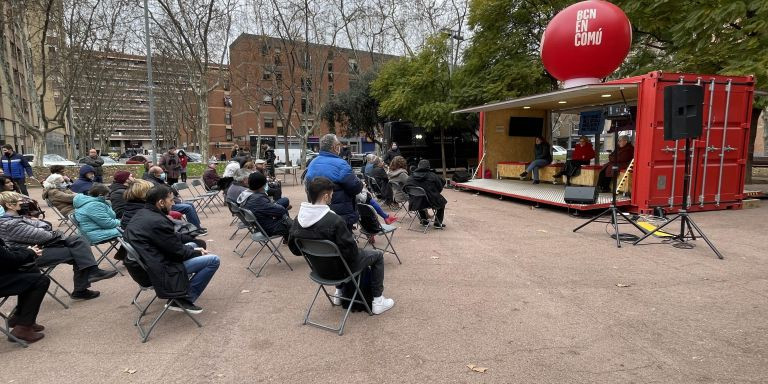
(559, 151)
(138, 159)
(50, 159)
(194, 157)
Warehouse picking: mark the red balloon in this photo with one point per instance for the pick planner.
(586, 42)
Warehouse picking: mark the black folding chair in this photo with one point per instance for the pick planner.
(6, 329)
(141, 276)
(419, 193)
(322, 256)
(234, 209)
(370, 226)
(397, 187)
(197, 202)
(259, 235)
(104, 254)
(209, 198)
(373, 186)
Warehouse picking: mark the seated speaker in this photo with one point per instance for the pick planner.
(580, 195)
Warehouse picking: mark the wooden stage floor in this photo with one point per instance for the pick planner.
(544, 193)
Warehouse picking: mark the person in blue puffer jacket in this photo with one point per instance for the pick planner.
(328, 164)
(97, 220)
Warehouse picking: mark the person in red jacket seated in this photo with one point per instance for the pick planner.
(582, 154)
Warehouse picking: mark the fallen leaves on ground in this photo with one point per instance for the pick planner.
(129, 371)
(542, 230)
(435, 257)
(245, 291)
(475, 368)
(620, 285)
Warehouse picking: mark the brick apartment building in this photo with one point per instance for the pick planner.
(269, 75)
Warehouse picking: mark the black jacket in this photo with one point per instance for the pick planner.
(543, 152)
(432, 184)
(268, 214)
(382, 180)
(163, 251)
(391, 154)
(116, 192)
(12, 258)
(129, 211)
(331, 227)
(269, 156)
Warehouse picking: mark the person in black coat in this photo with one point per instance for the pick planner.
(170, 257)
(391, 153)
(433, 184)
(273, 217)
(542, 155)
(19, 276)
(117, 191)
(382, 180)
(269, 157)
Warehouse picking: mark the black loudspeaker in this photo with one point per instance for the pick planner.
(580, 195)
(683, 110)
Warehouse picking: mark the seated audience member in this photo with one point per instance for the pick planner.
(398, 174)
(248, 164)
(620, 157)
(55, 190)
(582, 154)
(379, 174)
(120, 182)
(17, 231)
(274, 188)
(135, 199)
(542, 157)
(231, 168)
(85, 181)
(59, 170)
(19, 276)
(273, 217)
(370, 160)
(433, 184)
(170, 257)
(239, 184)
(97, 220)
(316, 221)
(210, 177)
(157, 177)
(365, 197)
(29, 206)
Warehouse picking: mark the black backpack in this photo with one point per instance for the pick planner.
(461, 176)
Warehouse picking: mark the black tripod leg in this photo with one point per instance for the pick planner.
(624, 215)
(655, 230)
(592, 219)
(615, 222)
(703, 236)
(687, 225)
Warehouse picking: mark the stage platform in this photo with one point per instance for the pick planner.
(544, 193)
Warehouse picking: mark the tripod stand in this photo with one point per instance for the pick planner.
(614, 211)
(688, 228)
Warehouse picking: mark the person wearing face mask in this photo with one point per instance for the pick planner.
(14, 165)
(171, 164)
(85, 181)
(57, 193)
(170, 257)
(328, 164)
(391, 154)
(156, 176)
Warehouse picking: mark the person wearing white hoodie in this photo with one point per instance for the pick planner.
(316, 221)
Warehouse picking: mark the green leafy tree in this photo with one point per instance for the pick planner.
(356, 110)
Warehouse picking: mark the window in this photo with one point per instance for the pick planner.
(279, 76)
(330, 67)
(266, 76)
(278, 61)
(264, 49)
(306, 85)
(229, 134)
(280, 130)
(330, 77)
(267, 99)
(269, 123)
(303, 104)
(353, 66)
(226, 84)
(228, 118)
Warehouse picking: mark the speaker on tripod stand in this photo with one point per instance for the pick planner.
(683, 119)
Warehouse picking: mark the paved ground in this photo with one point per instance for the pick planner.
(505, 287)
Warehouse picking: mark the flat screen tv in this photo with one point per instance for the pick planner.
(525, 126)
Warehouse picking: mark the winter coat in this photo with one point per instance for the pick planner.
(432, 184)
(95, 163)
(623, 156)
(183, 161)
(329, 226)
(61, 199)
(12, 258)
(583, 153)
(15, 165)
(19, 231)
(163, 251)
(97, 219)
(399, 176)
(346, 184)
(130, 210)
(171, 165)
(391, 154)
(382, 180)
(267, 213)
(116, 197)
(210, 178)
(83, 184)
(543, 152)
(234, 191)
(269, 156)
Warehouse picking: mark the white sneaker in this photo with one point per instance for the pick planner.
(337, 300)
(381, 304)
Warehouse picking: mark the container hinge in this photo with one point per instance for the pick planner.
(669, 149)
(729, 148)
(712, 148)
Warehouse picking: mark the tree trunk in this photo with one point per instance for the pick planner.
(203, 134)
(765, 131)
(39, 149)
(302, 150)
(751, 149)
(442, 152)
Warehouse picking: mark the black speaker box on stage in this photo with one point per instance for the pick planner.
(683, 111)
(580, 195)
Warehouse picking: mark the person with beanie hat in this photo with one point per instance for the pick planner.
(271, 216)
(433, 184)
(121, 181)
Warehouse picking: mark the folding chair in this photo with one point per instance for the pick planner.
(322, 256)
(209, 198)
(63, 220)
(397, 187)
(370, 226)
(111, 245)
(418, 192)
(234, 209)
(259, 235)
(6, 329)
(47, 270)
(196, 201)
(141, 277)
(373, 186)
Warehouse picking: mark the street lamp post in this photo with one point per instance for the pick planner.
(452, 35)
(150, 84)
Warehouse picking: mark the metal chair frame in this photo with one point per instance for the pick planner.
(388, 231)
(6, 329)
(209, 197)
(234, 209)
(401, 205)
(414, 191)
(197, 202)
(103, 253)
(63, 219)
(144, 333)
(326, 249)
(259, 235)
